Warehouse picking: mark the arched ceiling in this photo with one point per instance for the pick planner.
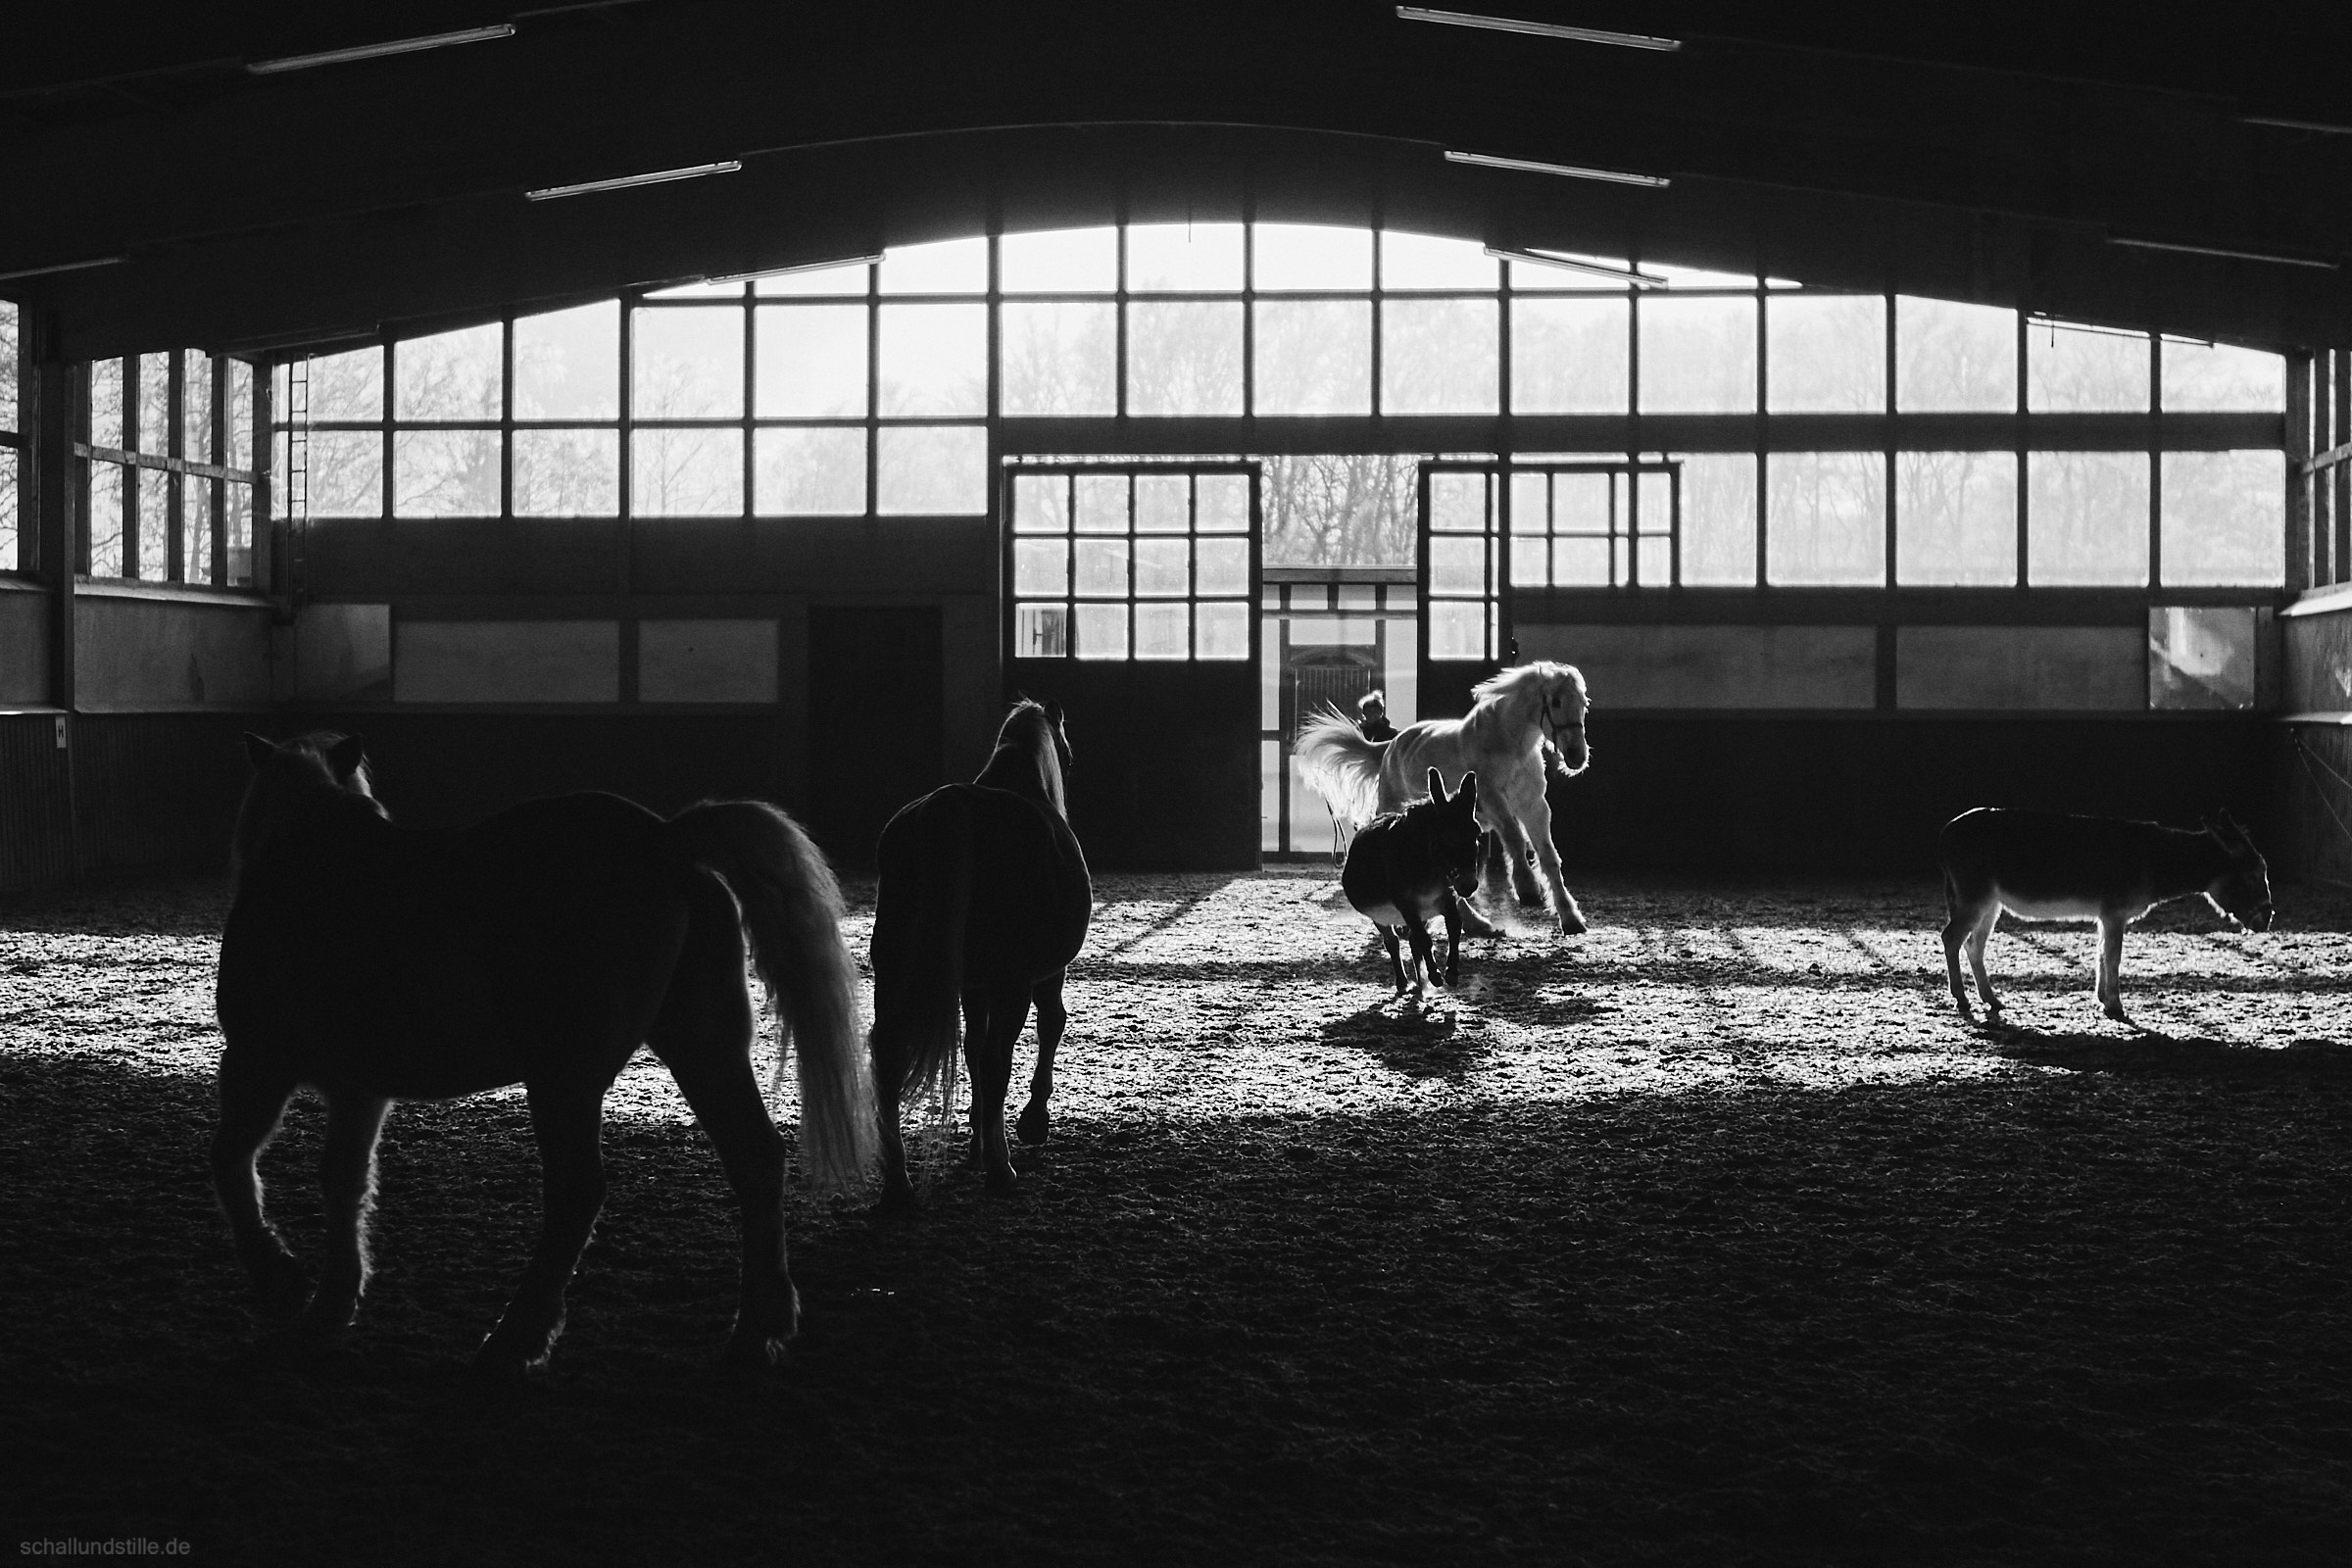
(1974, 151)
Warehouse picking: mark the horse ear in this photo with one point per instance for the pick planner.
(1437, 786)
(346, 755)
(257, 750)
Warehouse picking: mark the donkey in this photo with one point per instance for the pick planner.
(1407, 865)
(2045, 865)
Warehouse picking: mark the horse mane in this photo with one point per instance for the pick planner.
(1524, 679)
(1028, 733)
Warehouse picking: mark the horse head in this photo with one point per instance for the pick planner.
(291, 781)
(2242, 890)
(1036, 731)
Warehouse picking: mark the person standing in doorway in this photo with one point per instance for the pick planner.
(1372, 718)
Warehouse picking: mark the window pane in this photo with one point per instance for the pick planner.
(196, 406)
(1719, 520)
(1063, 261)
(1162, 568)
(1570, 356)
(810, 360)
(1102, 568)
(1041, 631)
(452, 376)
(1955, 518)
(808, 471)
(2200, 658)
(1221, 502)
(1457, 629)
(688, 363)
(1825, 353)
(8, 375)
(9, 506)
(1040, 503)
(1314, 357)
(1163, 502)
(1222, 566)
(722, 290)
(1826, 517)
(1581, 563)
(1427, 261)
(1699, 356)
(1953, 359)
(568, 364)
(197, 514)
(240, 415)
(934, 358)
(1162, 631)
(153, 373)
(1348, 509)
(236, 527)
(1697, 277)
(106, 518)
(938, 469)
(945, 266)
(1438, 356)
(1184, 257)
(346, 474)
(1458, 503)
(1101, 503)
(1311, 256)
(1221, 631)
(2225, 515)
(1532, 278)
(566, 473)
(2220, 377)
(1457, 564)
(343, 387)
(1060, 360)
(1101, 632)
(154, 520)
(1041, 566)
(1184, 358)
(816, 280)
(2072, 371)
(445, 474)
(2087, 517)
(106, 403)
(686, 473)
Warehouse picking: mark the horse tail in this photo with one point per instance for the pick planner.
(792, 912)
(1341, 765)
(918, 947)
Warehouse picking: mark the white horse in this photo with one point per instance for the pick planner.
(1527, 722)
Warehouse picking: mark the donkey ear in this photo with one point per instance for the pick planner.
(1437, 786)
(2236, 827)
(1467, 795)
(257, 750)
(1054, 712)
(346, 755)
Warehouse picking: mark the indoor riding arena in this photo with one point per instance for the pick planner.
(1740, 439)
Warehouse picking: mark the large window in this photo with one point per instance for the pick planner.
(164, 470)
(1124, 565)
(12, 442)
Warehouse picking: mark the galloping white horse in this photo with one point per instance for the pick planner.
(1520, 717)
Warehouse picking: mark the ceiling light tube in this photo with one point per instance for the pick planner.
(2324, 127)
(797, 267)
(659, 176)
(1568, 263)
(2215, 250)
(376, 51)
(1528, 165)
(64, 267)
(1540, 29)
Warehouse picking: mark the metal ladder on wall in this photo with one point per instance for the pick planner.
(298, 473)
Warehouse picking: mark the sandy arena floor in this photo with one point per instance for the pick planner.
(1710, 1237)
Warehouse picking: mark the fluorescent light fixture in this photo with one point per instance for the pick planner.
(1528, 165)
(1570, 263)
(64, 267)
(1540, 29)
(376, 51)
(874, 259)
(2324, 127)
(2217, 249)
(659, 176)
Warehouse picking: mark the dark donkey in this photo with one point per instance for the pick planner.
(541, 946)
(1410, 864)
(2045, 865)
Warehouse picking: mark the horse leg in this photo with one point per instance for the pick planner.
(718, 1082)
(976, 1045)
(569, 1122)
(347, 1183)
(1536, 823)
(1518, 855)
(990, 1058)
(1052, 1020)
(2111, 964)
(1956, 927)
(253, 1098)
(890, 1076)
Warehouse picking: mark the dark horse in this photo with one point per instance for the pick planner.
(542, 947)
(983, 899)
(1407, 865)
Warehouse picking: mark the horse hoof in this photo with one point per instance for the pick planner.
(1003, 1181)
(1035, 1125)
(1573, 925)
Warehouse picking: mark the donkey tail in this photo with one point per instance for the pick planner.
(922, 899)
(1341, 765)
(792, 910)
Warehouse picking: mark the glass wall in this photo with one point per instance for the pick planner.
(164, 470)
(12, 442)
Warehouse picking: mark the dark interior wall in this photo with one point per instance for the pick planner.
(1800, 794)
(131, 792)
(2313, 792)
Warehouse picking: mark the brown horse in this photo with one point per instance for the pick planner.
(542, 947)
(983, 900)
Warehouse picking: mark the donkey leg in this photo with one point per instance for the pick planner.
(992, 1075)
(347, 1182)
(253, 1097)
(1425, 963)
(1956, 931)
(1452, 908)
(2111, 964)
(568, 1121)
(1053, 1021)
(1978, 936)
(1388, 939)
